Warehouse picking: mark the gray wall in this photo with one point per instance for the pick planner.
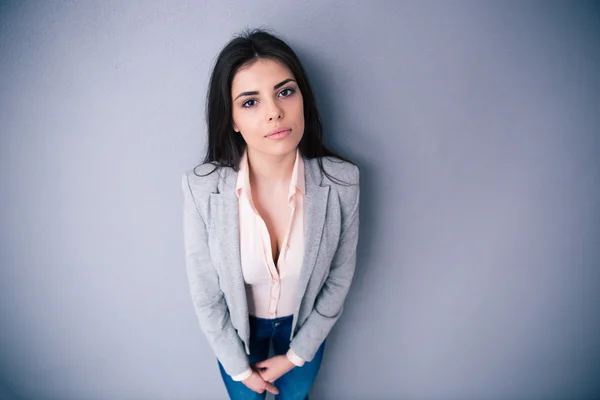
(476, 126)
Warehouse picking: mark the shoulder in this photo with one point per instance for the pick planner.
(344, 180)
(338, 172)
(203, 179)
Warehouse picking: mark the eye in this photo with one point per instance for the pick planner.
(249, 103)
(287, 92)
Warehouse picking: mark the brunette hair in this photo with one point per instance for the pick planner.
(225, 146)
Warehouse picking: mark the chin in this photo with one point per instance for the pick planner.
(283, 146)
(281, 150)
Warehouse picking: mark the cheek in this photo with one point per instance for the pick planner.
(300, 112)
(301, 107)
(249, 125)
(243, 121)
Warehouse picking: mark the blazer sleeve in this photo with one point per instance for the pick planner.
(207, 297)
(329, 303)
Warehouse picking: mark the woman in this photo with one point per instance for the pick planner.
(270, 223)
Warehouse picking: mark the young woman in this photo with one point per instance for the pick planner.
(270, 223)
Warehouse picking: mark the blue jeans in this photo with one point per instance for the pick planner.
(293, 385)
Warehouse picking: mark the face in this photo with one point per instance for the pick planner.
(266, 97)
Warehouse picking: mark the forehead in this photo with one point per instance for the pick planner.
(261, 73)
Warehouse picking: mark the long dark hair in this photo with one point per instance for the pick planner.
(225, 146)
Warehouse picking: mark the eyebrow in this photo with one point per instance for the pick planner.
(255, 92)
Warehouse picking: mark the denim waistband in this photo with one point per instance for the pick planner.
(271, 319)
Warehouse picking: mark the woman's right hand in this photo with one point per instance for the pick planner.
(256, 383)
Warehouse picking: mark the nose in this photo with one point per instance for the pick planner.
(275, 112)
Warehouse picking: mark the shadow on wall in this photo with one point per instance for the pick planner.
(336, 131)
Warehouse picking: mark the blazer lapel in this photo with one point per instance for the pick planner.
(224, 211)
(315, 203)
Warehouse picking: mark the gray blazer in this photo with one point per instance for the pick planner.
(211, 237)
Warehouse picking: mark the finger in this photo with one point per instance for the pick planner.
(267, 377)
(264, 375)
(271, 388)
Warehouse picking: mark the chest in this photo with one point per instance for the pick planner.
(276, 212)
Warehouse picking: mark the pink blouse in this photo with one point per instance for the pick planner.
(271, 288)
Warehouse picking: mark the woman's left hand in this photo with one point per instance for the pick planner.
(273, 368)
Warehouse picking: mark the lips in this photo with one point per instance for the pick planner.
(277, 131)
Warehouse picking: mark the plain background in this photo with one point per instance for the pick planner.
(476, 127)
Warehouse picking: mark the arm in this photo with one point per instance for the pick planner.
(294, 358)
(209, 302)
(329, 303)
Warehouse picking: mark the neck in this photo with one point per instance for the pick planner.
(269, 170)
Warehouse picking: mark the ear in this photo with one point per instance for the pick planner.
(235, 128)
